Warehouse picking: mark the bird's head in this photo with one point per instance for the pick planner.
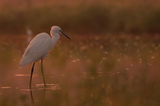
(57, 29)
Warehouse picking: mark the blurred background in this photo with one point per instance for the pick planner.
(113, 58)
(82, 16)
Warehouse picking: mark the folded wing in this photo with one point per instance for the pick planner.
(37, 49)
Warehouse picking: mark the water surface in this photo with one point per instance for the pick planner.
(89, 70)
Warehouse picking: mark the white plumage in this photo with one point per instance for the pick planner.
(39, 47)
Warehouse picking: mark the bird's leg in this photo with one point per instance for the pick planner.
(30, 84)
(43, 72)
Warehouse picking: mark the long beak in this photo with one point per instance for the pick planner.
(65, 34)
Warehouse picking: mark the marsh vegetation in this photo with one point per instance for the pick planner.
(98, 70)
(113, 58)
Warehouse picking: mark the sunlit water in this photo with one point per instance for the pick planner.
(92, 70)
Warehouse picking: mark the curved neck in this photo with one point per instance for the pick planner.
(54, 35)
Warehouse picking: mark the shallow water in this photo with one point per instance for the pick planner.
(105, 70)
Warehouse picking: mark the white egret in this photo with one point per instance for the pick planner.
(39, 47)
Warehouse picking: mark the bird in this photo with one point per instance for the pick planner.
(39, 47)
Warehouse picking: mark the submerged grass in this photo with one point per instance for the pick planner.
(117, 70)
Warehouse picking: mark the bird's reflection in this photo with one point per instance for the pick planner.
(32, 96)
(43, 91)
